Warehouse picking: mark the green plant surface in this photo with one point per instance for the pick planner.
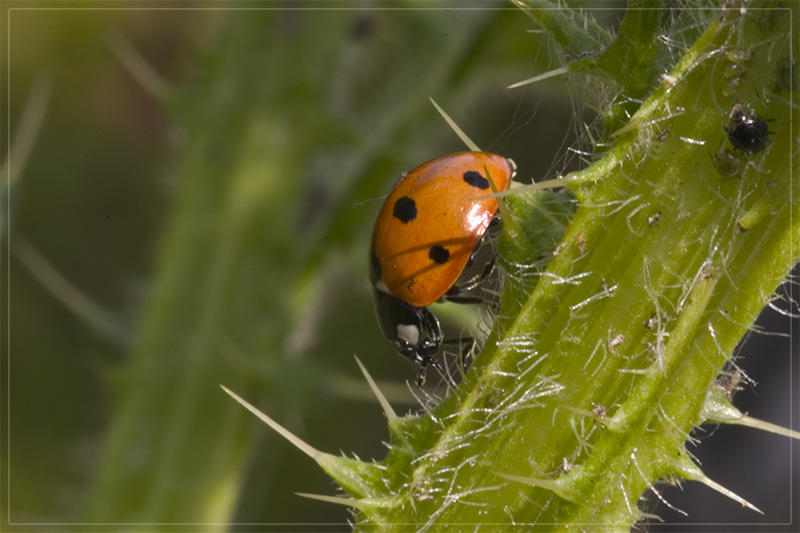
(585, 398)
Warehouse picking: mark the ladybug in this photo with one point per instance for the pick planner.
(426, 234)
(747, 130)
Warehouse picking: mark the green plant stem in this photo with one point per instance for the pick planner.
(583, 400)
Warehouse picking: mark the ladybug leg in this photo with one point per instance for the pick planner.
(454, 294)
(423, 366)
(468, 346)
(477, 281)
(422, 355)
(433, 331)
(495, 227)
(427, 349)
(423, 360)
(492, 232)
(464, 299)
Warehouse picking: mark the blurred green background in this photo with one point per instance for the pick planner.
(297, 121)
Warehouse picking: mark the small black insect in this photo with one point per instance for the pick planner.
(747, 130)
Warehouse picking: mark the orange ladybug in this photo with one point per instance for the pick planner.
(426, 233)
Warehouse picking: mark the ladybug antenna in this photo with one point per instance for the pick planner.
(550, 74)
(461, 135)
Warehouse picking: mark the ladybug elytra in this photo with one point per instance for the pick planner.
(426, 234)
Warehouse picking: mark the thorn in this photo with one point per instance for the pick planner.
(393, 419)
(767, 426)
(691, 471)
(505, 214)
(525, 9)
(285, 433)
(718, 409)
(540, 77)
(353, 475)
(548, 184)
(452, 123)
(385, 405)
(339, 500)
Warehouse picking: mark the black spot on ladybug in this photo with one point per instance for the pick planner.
(476, 180)
(747, 131)
(375, 269)
(405, 210)
(439, 254)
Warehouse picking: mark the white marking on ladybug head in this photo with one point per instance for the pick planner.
(408, 333)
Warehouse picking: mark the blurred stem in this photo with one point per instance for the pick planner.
(267, 193)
